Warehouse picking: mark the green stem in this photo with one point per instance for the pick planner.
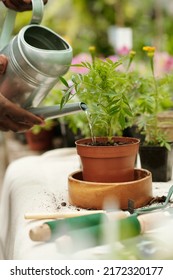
(129, 63)
(156, 94)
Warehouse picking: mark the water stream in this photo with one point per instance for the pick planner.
(89, 118)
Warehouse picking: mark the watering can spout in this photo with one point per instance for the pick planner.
(52, 112)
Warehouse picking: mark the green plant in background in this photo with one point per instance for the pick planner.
(49, 124)
(86, 22)
(151, 101)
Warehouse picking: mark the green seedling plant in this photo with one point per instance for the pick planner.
(119, 97)
(108, 93)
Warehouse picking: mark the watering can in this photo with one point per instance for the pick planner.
(37, 57)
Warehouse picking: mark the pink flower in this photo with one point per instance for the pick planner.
(168, 64)
(114, 58)
(163, 63)
(82, 57)
(123, 51)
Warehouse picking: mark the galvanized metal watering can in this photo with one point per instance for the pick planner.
(37, 57)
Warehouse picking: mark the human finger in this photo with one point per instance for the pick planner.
(21, 115)
(16, 113)
(7, 124)
(3, 63)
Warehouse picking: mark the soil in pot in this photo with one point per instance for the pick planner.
(107, 162)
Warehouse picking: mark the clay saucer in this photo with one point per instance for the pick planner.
(91, 195)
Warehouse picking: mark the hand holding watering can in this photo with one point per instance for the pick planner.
(13, 117)
(19, 5)
(37, 56)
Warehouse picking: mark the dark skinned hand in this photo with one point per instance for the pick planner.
(15, 118)
(19, 5)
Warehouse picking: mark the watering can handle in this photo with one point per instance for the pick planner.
(37, 15)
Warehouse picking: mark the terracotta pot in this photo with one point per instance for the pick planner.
(91, 195)
(108, 163)
(42, 141)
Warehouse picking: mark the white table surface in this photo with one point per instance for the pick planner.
(38, 184)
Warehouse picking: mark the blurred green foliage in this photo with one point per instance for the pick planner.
(86, 22)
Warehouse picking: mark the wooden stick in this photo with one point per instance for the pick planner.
(55, 228)
(59, 215)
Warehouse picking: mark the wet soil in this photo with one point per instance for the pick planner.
(108, 143)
